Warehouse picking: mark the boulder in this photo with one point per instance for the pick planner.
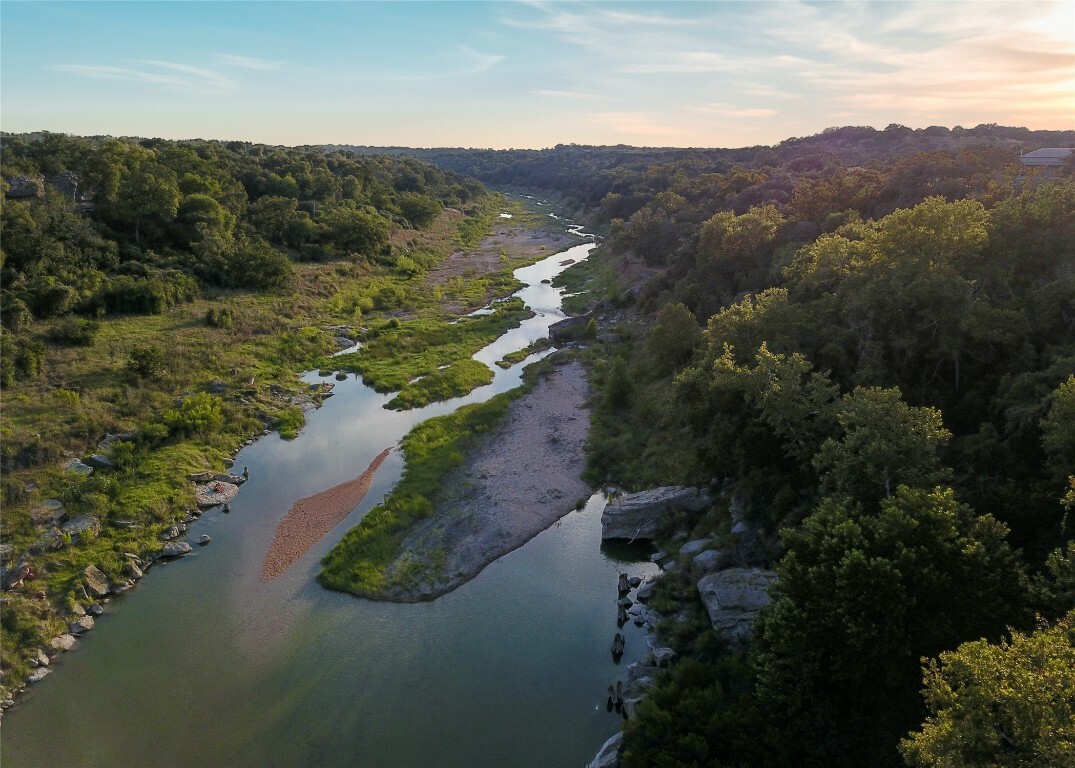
(214, 493)
(133, 570)
(609, 754)
(204, 539)
(82, 527)
(99, 461)
(49, 541)
(733, 598)
(637, 515)
(96, 582)
(645, 592)
(714, 560)
(38, 675)
(43, 658)
(634, 581)
(95, 610)
(77, 609)
(663, 657)
(77, 467)
(569, 329)
(692, 548)
(62, 643)
(47, 512)
(176, 549)
(79, 626)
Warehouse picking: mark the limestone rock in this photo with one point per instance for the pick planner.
(38, 675)
(692, 548)
(43, 659)
(47, 512)
(637, 515)
(204, 539)
(176, 549)
(62, 643)
(645, 592)
(214, 493)
(77, 467)
(733, 598)
(714, 560)
(609, 754)
(82, 527)
(96, 582)
(95, 610)
(99, 461)
(79, 626)
(663, 657)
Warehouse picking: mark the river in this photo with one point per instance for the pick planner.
(206, 665)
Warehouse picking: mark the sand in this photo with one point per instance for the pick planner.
(311, 518)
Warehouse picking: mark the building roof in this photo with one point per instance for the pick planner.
(1050, 152)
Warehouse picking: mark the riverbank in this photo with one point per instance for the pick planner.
(521, 478)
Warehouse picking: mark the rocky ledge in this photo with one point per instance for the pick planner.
(635, 516)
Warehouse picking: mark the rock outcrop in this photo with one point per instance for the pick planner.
(609, 754)
(83, 526)
(214, 493)
(733, 598)
(96, 582)
(637, 515)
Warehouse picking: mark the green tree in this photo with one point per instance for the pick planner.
(859, 601)
(673, 338)
(150, 195)
(1006, 705)
(884, 443)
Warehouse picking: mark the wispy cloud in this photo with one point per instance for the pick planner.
(169, 74)
(248, 62)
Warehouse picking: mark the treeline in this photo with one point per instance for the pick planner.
(106, 226)
(878, 363)
(586, 175)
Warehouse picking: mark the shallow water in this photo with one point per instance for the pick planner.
(205, 665)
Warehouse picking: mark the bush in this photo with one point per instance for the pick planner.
(75, 331)
(200, 414)
(147, 362)
(220, 318)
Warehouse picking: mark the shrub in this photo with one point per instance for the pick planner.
(75, 331)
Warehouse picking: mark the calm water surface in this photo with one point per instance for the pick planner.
(205, 665)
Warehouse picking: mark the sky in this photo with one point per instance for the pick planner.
(531, 74)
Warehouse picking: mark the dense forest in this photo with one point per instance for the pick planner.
(864, 340)
(873, 353)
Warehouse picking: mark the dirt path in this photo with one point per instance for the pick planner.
(523, 478)
(311, 518)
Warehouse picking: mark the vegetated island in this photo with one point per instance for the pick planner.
(478, 484)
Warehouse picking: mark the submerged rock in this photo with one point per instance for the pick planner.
(637, 515)
(733, 598)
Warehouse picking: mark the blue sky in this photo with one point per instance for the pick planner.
(531, 74)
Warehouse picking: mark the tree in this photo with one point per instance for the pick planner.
(1006, 705)
(354, 230)
(860, 599)
(885, 443)
(149, 194)
(673, 338)
(420, 210)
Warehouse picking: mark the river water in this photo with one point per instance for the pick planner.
(205, 665)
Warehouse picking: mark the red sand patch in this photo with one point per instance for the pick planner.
(311, 518)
